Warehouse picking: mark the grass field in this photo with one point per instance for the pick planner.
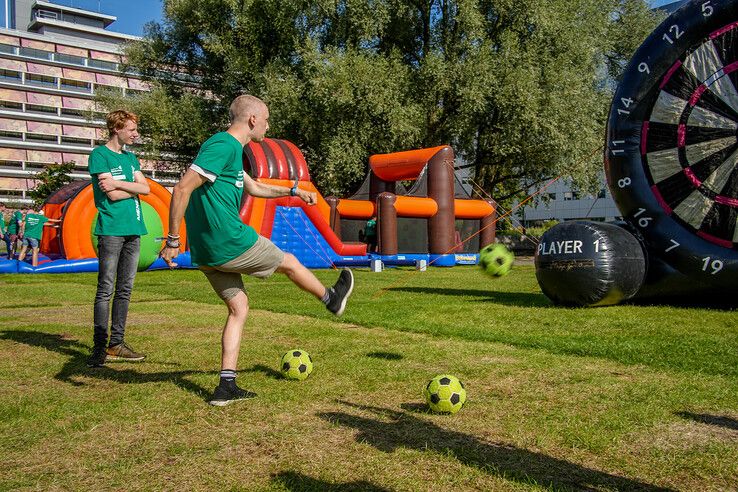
(617, 398)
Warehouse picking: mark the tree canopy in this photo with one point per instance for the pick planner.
(520, 89)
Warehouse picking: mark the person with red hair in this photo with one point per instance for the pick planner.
(117, 181)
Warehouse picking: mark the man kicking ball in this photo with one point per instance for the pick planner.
(209, 197)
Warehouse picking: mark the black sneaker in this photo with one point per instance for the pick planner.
(122, 352)
(340, 292)
(225, 395)
(98, 356)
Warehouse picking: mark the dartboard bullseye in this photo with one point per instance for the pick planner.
(672, 150)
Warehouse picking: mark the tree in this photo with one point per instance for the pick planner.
(53, 177)
(520, 88)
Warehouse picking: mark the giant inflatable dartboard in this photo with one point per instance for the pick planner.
(672, 148)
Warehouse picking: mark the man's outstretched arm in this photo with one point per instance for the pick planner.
(263, 190)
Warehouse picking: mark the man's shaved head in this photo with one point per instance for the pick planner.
(243, 107)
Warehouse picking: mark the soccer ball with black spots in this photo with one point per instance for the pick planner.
(496, 260)
(445, 394)
(296, 364)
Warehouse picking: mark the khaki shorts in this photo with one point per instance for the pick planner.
(260, 260)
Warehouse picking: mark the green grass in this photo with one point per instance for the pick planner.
(617, 398)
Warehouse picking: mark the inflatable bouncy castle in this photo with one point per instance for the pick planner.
(671, 163)
(432, 221)
(72, 248)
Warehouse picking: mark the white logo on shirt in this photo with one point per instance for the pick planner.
(239, 180)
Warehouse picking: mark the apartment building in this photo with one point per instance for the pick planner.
(53, 60)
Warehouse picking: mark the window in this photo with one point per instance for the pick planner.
(37, 108)
(77, 113)
(11, 135)
(11, 105)
(76, 85)
(105, 65)
(35, 166)
(46, 14)
(568, 196)
(135, 92)
(74, 60)
(10, 75)
(11, 164)
(602, 193)
(7, 48)
(40, 137)
(34, 53)
(75, 141)
(108, 88)
(11, 193)
(43, 80)
(552, 196)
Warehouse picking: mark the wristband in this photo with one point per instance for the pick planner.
(293, 191)
(172, 244)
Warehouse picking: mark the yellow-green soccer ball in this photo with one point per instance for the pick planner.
(496, 260)
(445, 394)
(296, 364)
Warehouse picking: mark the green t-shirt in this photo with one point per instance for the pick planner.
(215, 231)
(371, 228)
(120, 217)
(2, 224)
(14, 219)
(35, 225)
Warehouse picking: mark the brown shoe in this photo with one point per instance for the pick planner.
(122, 352)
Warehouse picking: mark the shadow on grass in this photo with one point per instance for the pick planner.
(76, 365)
(716, 420)
(391, 430)
(297, 482)
(384, 355)
(522, 299)
(267, 371)
(416, 407)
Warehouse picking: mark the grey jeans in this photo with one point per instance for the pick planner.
(118, 257)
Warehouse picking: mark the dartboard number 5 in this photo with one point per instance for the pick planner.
(707, 9)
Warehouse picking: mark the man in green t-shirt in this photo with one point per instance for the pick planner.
(33, 229)
(4, 230)
(117, 182)
(14, 232)
(370, 234)
(223, 246)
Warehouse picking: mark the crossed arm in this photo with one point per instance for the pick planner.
(120, 190)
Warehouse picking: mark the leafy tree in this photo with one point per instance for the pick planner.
(53, 177)
(519, 88)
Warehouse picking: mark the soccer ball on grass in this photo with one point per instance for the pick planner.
(296, 364)
(445, 394)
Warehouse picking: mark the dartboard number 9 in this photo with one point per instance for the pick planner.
(671, 158)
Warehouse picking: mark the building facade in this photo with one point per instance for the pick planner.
(53, 60)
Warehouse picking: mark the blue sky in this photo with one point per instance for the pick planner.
(133, 14)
